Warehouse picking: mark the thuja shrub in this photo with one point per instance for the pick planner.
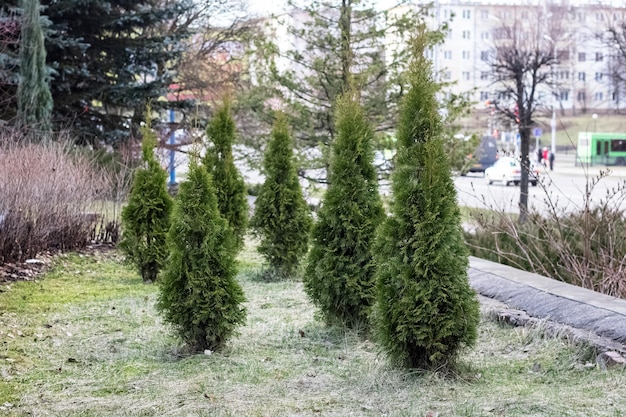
(339, 276)
(426, 311)
(199, 295)
(230, 187)
(282, 219)
(47, 192)
(146, 217)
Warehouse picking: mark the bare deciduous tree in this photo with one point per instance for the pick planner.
(521, 63)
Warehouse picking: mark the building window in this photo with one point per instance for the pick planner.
(484, 95)
(484, 35)
(582, 76)
(447, 75)
(581, 96)
(598, 76)
(525, 15)
(466, 75)
(466, 14)
(447, 54)
(598, 96)
(484, 75)
(581, 57)
(564, 95)
(466, 54)
(466, 34)
(484, 14)
(484, 55)
(598, 56)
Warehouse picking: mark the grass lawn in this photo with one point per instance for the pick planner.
(85, 341)
(567, 127)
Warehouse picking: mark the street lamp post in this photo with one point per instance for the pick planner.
(553, 120)
(595, 122)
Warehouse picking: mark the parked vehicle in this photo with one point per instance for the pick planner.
(486, 154)
(509, 170)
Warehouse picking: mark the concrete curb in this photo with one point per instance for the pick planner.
(545, 298)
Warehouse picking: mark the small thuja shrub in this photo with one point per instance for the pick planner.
(231, 189)
(146, 218)
(199, 295)
(339, 276)
(426, 311)
(282, 219)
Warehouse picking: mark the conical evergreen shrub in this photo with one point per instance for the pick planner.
(199, 294)
(339, 276)
(146, 218)
(231, 190)
(282, 219)
(426, 311)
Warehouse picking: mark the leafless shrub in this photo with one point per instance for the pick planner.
(584, 247)
(46, 197)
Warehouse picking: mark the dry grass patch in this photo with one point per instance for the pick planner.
(103, 351)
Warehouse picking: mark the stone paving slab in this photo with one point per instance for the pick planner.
(549, 299)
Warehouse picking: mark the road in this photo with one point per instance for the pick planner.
(563, 189)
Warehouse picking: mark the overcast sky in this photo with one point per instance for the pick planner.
(266, 7)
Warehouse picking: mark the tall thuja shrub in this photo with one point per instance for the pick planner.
(281, 218)
(339, 276)
(199, 294)
(426, 311)
(34, 99)
(231, 190)
(146, 218)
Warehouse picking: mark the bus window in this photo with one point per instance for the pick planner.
(618, 145)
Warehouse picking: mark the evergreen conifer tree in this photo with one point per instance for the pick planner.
(339, 277)
(426, 311)
(231, 190)
(146, 218)
(34, 97)
(281, 218)
(199, 294)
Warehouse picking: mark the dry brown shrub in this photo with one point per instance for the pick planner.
(46, 197)
(585, 247)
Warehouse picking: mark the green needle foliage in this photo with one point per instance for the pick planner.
(426, 311)
(281, 218)
(339, 277)
(146, 218)
(199, 294)
(231, 189)
(34, 97)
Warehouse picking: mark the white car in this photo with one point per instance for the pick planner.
(509, 170)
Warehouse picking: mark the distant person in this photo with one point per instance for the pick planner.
(545, 156)
(551, 159)
(539, 155)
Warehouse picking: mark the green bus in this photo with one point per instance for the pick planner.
(601, 148)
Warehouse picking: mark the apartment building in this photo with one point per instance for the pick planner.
(581, 80)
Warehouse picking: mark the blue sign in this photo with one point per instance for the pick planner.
(537, 132)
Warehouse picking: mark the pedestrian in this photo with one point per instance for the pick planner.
(551, 159)
(545, 156)
(539, 155)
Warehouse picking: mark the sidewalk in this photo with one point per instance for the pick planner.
(564, 165)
